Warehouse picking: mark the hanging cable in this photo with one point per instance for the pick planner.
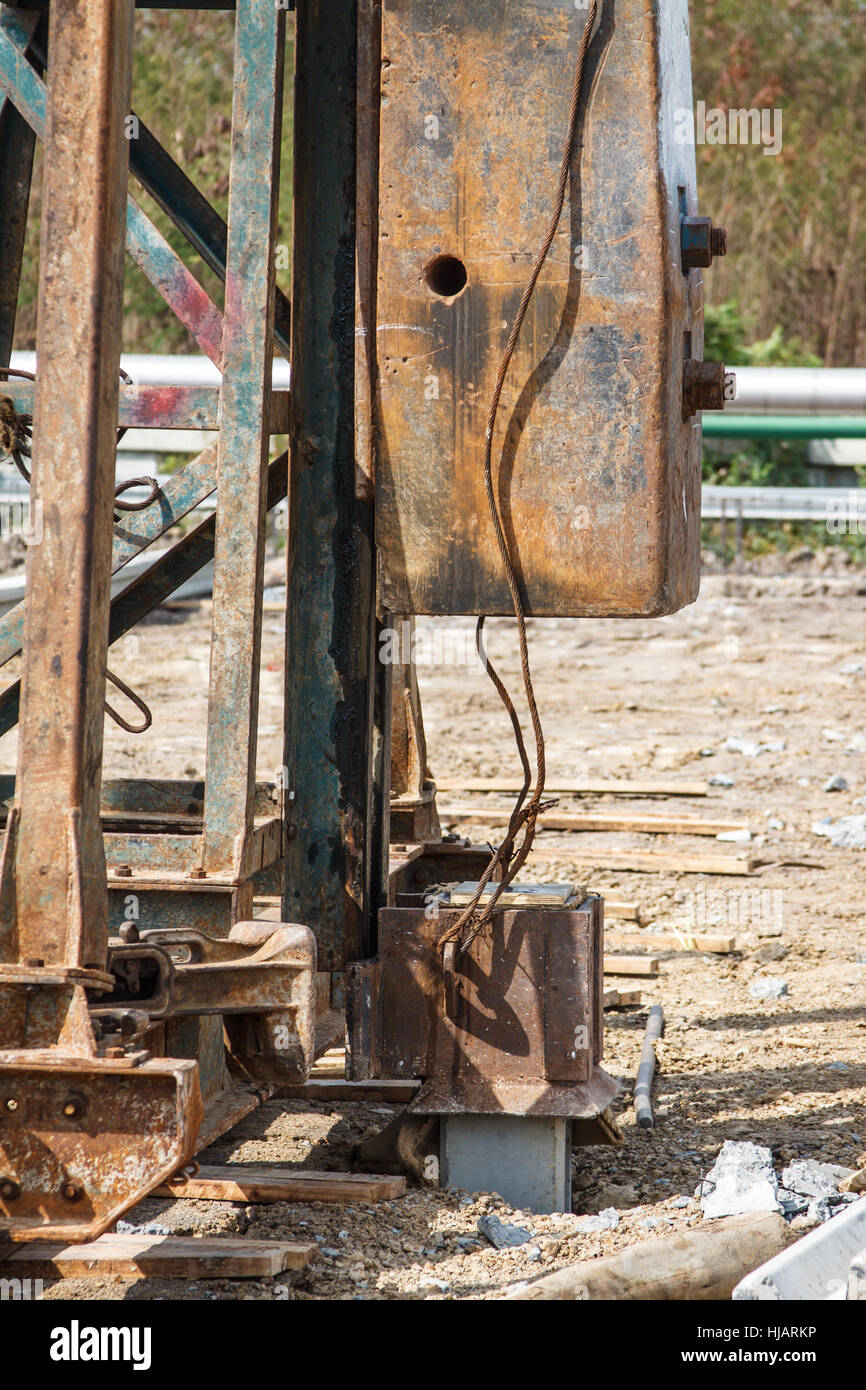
(511, 855)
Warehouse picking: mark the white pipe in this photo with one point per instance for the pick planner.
(760, 390)
(799, 391)
(150, 369)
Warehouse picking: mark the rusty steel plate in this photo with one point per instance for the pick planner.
(81, 1142)
(599, 485)
(517, 1031)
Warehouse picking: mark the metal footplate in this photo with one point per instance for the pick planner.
(505, 1035)
(83, 1139)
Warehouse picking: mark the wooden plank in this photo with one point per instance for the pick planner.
(622, 998)
(673, 941)
(614, 908)
(155, 1257)
(646, 861)
(601, 788)
(631, 965)
(391, 1092)
(227, 1109)
(238, 1182)
(593, 820)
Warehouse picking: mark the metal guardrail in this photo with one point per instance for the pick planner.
(834, 506)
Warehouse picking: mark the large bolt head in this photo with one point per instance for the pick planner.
(703, 387)
(700, 241)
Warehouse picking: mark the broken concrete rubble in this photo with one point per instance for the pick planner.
(741, 1180)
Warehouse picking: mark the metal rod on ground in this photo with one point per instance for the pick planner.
(646, 1070)
(738, 537)
(723, 535)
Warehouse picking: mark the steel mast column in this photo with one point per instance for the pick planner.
(60, 869)
(330, 629)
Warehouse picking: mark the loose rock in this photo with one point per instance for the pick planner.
(741, 1179)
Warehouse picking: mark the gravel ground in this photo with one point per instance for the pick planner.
(767, 659)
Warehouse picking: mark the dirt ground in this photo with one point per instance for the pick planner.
(772, 659)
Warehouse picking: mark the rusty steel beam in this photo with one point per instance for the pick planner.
(66, 624)
(73, 1114)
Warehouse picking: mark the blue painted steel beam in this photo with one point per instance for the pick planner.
(173, 281)
(193, 215)
(247, 356)
(151, 165)
(17, 144)
(159, 407)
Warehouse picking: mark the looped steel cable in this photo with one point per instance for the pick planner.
(16, 435)
(510, 855)
(145, 481)
(135, 699)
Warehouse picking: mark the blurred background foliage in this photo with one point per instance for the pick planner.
(181, 90)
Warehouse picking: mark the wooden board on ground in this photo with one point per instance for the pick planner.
(614, 908)
(672, 941)
(240, 1182)
(622, 998)
(594, 821)
(645, 861)
(228, 1109)
(610, 788)
(631, 965)
(389, 1092)
(155, 1257)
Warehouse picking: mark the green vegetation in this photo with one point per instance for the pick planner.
(756, 462)
(182, 90)
(796, 224)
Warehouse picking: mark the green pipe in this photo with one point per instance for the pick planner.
(721, 425)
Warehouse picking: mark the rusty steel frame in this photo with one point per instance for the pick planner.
(240, 340)
(189, 852)
(63, 1176)
(194, 853)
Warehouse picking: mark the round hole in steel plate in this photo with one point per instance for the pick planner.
(446, 276)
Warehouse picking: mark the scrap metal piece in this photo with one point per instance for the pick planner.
(413, 813)
(816, 1267)
(261, 979)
